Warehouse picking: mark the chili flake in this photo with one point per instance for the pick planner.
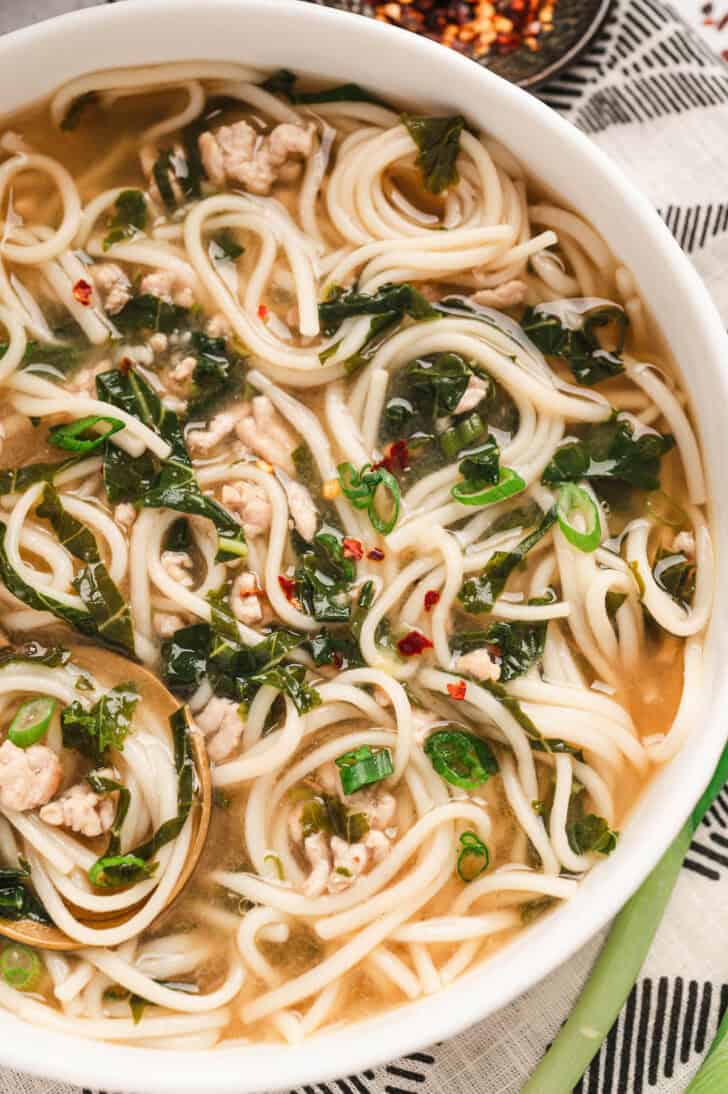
(396, 458)
(83, 292)
(413, 643)
(432, 597)
(457, 691)
(262, 312)
(353, 548)
(289, 588)
(474, 27)
(375, 555)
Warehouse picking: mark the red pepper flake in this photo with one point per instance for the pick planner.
(376, 554)
(353, 548)
(413, 643)
(474, 27)
(457, 691)
(262, 312)
(337, 660)
(396, 458)
(432, 597)
(83, 292)
(289, 588)
(126, 365)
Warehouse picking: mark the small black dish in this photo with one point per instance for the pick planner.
(576, 22)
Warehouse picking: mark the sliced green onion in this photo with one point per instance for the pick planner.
(31, 721)
(364, 767)
(389, 484)
(662, 508)
(362, 487)
(474, 857)
(71, 436)
(461, 758)
(474, 493)
(21, 967)
(459, 436)
(572, 499)
(276, 864)
(121, 864)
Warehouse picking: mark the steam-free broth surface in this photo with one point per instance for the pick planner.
(345, 427)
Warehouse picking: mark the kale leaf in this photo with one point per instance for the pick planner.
(105, 726)
(580, 348)
(514, 646)
(17, 900)
(102, 599)
(174, 485)
(390, 301)
(479, 594)
(609, 450)
(438, 145)
(112, 869)
(283, 82)
(219, 374)
(129, 219)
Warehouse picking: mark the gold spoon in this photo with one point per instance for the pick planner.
(113, 667)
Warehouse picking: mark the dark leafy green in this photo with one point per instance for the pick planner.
(35, 653)
(234, 671)
(580, 348)
(480, 593)
(480, 466)
(283, 82)
(325, 813)
(675, 574)
(129, 219)
(438, 145)
(438, 382)
(218, 375)
(146, 312)
(175, 485)
(104, 602)
(17, 900)
(224, 247)
(514, 646)
(591, 833)
(390, 301)
(116, 870)
(610, 450)
(16, 480)
(324, 575)
(93, 732)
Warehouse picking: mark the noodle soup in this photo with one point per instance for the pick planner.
(331, 418)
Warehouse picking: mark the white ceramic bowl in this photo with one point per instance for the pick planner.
(304, 37)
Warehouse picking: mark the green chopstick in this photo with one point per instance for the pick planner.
(617, 968)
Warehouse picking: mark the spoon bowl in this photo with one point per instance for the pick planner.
(152, 691)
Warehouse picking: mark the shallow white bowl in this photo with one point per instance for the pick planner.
(287, 33)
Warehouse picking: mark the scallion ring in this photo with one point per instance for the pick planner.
(385, 482)
(461, 758)
(361, 488)
(574, 499)
(473, 493)
(474, 857)
(21, 967)
(362, 767)
(71, 436)
(31, 721)
(119, 866)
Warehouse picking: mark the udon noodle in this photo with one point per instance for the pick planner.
(337, 421)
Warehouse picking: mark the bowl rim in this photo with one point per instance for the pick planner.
(122, 34)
